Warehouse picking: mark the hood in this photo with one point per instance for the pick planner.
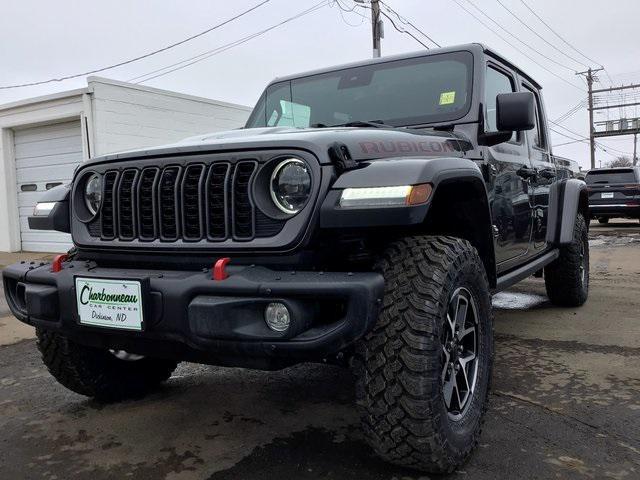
(363, 143)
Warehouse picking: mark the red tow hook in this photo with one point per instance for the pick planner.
(219, 269)
(56, 265)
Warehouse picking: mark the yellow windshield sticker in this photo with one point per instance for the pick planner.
(447, 98)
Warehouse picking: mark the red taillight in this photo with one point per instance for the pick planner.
(633, 186)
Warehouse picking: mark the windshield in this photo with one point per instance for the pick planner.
(606, 177)
(431, 89)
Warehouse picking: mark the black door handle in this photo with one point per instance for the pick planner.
(526, 172)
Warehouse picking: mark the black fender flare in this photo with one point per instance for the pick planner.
(566, 198)
(59, 218)
(393, 172)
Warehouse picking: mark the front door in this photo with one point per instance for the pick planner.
(508, 184)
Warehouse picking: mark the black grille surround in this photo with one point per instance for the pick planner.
(196, 202)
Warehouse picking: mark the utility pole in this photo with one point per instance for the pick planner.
(376, 28)
(377, 32)
(635, 149)
(592, 139)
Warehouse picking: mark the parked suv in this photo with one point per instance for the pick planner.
(363, 217)
(614, 193)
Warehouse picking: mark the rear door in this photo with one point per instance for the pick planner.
(545, 171)
(615, 188)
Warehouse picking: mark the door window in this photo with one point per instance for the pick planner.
(536, 135)
(497, 82)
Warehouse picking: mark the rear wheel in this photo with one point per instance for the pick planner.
(567, 277)
(423, 373)
(107, 375)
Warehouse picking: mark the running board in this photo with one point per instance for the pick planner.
(514, 276)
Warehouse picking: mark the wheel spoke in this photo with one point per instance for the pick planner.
(466, 359)
(461, 311)
(448, 390)
(447, 357)
(464, 332)
(452, 325)
(464, 375)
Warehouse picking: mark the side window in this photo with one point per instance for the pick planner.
(496, 82)
(536, 135)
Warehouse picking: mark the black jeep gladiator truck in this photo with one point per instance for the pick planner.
(614, 193)
(364, 216)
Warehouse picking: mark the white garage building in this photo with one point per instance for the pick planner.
(43, 139)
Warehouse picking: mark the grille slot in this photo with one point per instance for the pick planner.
(107, 213)
(147, 204)
(216, 195)
(192, 189)
(243, 208)
(126, 203)
(168, 203)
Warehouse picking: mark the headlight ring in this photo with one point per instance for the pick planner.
(290, 185)
(93, 193)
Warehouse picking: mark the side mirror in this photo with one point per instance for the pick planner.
(515, 112)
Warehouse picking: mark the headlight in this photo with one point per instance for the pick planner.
(291, 185)
(93, 193)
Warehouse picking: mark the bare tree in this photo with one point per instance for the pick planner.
(620, 161)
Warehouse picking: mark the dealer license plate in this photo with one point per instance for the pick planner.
(109, 303)
(607, 195)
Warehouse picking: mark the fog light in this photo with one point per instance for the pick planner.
(277, 317)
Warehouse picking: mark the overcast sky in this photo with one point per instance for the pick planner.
(41, 39)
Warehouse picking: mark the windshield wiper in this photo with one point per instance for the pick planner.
(355, 123)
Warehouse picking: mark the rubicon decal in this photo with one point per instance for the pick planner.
(432, 147)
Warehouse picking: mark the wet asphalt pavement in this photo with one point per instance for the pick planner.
(565, 403)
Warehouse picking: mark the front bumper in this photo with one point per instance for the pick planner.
(192, 317)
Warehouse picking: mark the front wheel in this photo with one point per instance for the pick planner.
(423, 373)
(106, 375)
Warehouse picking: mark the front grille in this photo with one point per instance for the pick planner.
(188, 203)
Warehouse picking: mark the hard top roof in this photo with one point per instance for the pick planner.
(476, 48)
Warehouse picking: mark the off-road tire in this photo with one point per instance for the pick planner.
(566, 285)
(98, 373)
(603, 220)
(399, 387)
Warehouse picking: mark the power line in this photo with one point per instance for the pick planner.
(558, 35)
(583, 138)
(528, 27)
(568, 143)
(572, 111)
(516, 48)
(146, 55)
(210, 53)
(343, 10)
(407, 32)
(518, 39)
(407, 22)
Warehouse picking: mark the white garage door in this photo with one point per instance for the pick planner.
(46, 156)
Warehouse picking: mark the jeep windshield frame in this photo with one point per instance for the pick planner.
(387, 92)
